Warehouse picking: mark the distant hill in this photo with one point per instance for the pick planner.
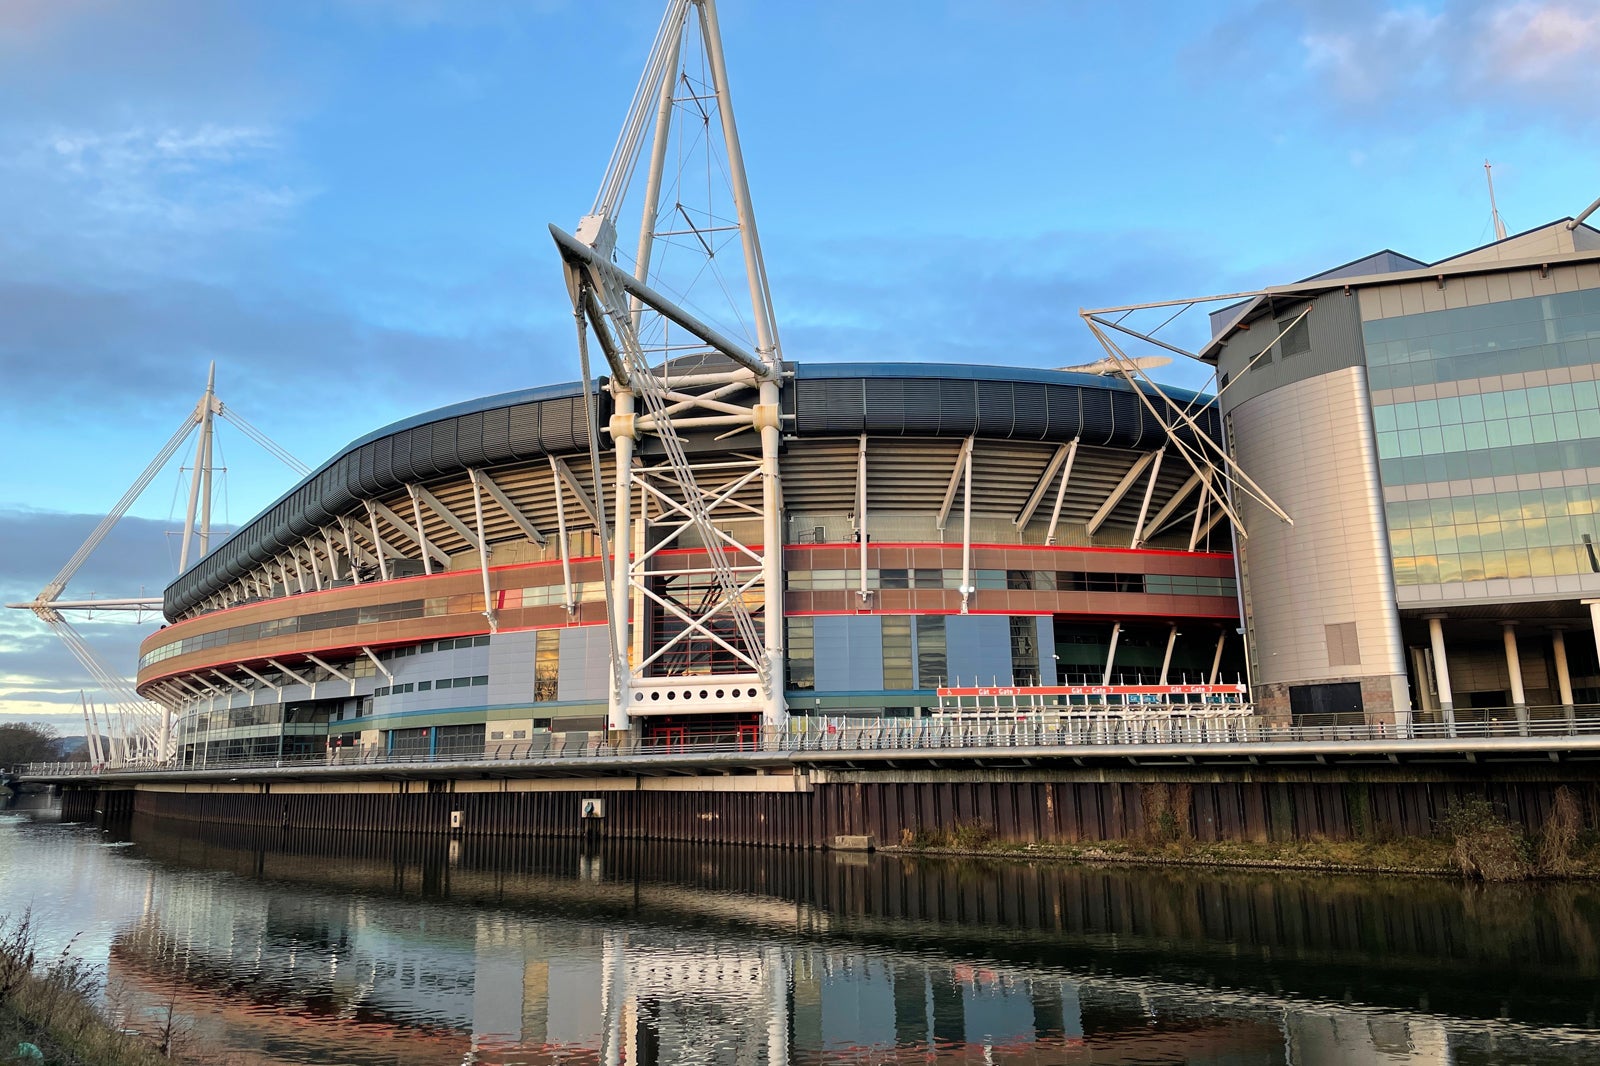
(72, 749)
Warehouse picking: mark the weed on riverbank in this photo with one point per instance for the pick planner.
(1473, 840)
(48, 1012)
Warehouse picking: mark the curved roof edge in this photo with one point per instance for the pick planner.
(931, 399)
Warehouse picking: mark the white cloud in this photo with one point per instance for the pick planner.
(203, 178)
(1402, 60)
(1539, 44)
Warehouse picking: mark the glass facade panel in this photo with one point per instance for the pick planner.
(1517, 411)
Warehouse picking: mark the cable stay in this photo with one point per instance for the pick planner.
(143, 729)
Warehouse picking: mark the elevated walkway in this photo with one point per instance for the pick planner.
(1149, 737)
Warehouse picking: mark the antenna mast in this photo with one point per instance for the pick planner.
(1499, 223)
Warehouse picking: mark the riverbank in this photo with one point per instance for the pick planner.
(49, 1016)
(1473, 840)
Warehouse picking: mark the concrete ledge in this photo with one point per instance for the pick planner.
(853, 843)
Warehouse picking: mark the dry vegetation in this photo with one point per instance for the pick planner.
(48, 1011)
(1472, 839)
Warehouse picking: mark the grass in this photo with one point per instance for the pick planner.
(49, 1002)
(1472, 840)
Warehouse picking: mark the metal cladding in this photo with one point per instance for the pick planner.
(885, 399)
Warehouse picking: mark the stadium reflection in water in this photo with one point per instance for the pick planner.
(289, 948)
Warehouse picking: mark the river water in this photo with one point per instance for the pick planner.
(286, 947)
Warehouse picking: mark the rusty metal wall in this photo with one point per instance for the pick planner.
(1006, 808)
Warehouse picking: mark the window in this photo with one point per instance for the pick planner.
(801, 645)
(1024, 650)
(896, 652)
(1297, 339)
(546, 665)
(932, 661)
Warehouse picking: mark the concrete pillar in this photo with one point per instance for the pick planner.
(1519, 698)
(1419, 665)
(1166, 659)
(1111, 656)
(1594, 623)
(1441, 672)
(1558, 646)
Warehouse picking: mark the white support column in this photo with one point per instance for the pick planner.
(513, 512)
(966, 532)
(1159, 519)
(422, 536)
(1216, 659)
(202, 461)
(1144, 506)
(377, 542)
(1045, 481)
(483, 551)
(766, 417)
(1061, 491)
(311, 560)
(1166, 658)
(861, 516)
(561, 531)
(1111, 656)
(1117, 493)
(622, 439)
(1441, 672)
(333, 558)
(350, 552)
(1594, 622)
(1558, 648)
(1519, 698)
(957, 473)
(377, 662)
(1419, 666)
(1202, 528)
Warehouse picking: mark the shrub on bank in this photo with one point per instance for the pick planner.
(47, 1005)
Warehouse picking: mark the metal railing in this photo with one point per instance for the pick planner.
(951, 733)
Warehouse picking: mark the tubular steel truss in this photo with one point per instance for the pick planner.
(1215, 472)
(716, 642)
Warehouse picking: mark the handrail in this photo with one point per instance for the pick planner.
(946, 733)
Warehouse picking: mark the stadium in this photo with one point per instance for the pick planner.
(437, 586)
(1384, 519)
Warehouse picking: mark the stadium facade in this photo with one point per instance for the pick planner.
(1433, 430)
(437, 586)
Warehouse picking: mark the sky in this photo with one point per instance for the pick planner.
(344, 205)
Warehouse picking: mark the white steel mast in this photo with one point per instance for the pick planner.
(691, 500)
(145, 733)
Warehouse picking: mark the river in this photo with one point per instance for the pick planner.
(286, 947)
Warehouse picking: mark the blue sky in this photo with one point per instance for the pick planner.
(344, 203)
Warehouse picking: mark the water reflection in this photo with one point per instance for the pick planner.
(331, 948)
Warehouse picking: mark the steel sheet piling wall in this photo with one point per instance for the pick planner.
(1009, 807)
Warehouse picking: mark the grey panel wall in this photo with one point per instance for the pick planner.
(1310, 446)
(585, 664)
(511, 667)
(451, 663)
(1334, 323)
(1047, 649)
(849, 653)
(979, 649)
